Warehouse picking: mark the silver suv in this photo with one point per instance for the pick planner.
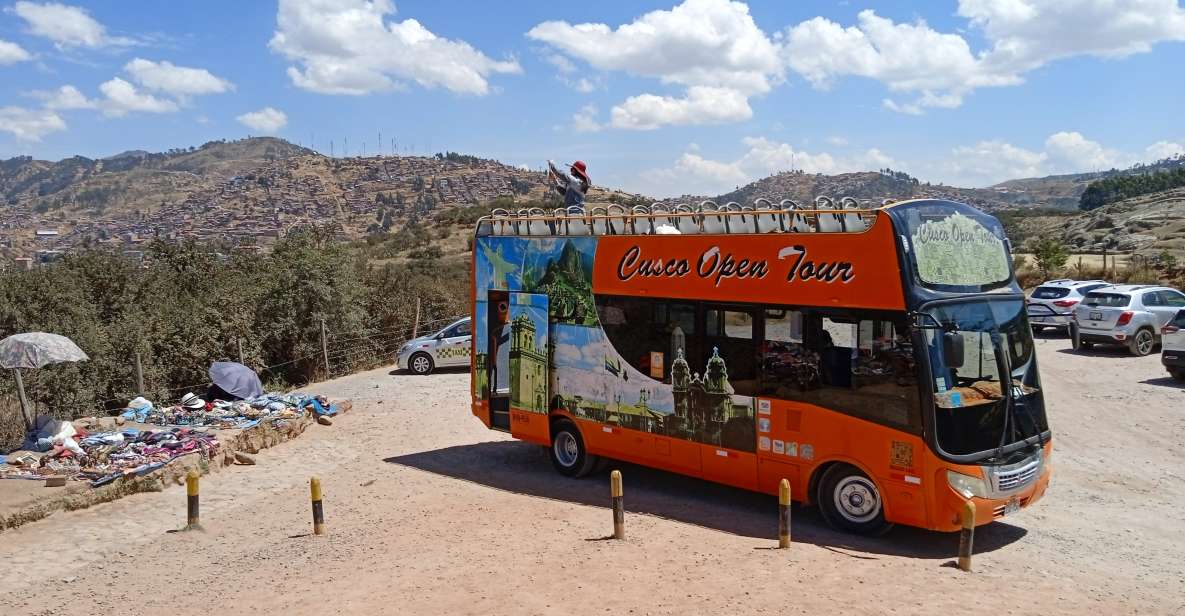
(1126, 314)
(1051, 304)
(450, 346)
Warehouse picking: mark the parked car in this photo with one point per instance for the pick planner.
(1130, 315)
(1052, 303)
(450, 346)
(1172, 346)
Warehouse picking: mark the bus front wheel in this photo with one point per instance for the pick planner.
(851, 502)
(569, 456)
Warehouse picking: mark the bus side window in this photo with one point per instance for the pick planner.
(850, 363)
(731, 333)
(786, 363)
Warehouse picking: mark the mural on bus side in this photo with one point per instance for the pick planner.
(527, 356)
(588, 376)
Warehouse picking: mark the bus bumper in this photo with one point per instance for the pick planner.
(987, 510)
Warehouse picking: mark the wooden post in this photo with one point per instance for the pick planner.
(239, 343)
(415, 329)
(318, 511)
(784, 514)
(618, 505)
(139, 376)
(967, 535)
(324, 348)
(24, 400)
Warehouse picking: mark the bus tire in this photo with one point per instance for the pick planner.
(569, 456)
(420, 363)
(851, 502)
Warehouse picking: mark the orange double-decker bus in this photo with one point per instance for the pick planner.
(858, 353)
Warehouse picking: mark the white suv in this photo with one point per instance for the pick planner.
(1131, 315)
(1172, 346)
(1051, 304)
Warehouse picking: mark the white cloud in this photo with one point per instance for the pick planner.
(267, 120)
(122, 98)
(991, 162)
(585, 120)
(694, 174)
(348, 47)
(11, 53)
(1070, 151)
(175, 80)
(30, 124)
(712, 47)
(67, 26)
(837, 140)
(1163, 149)
(939, 69)
(702, 105)
(64, 98)
(1026, 34)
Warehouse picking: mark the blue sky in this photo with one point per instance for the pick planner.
(657, 97)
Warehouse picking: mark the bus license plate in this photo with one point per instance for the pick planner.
(1096, 315)
(1012, 506)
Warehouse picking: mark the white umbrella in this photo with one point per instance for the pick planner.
(35, 350)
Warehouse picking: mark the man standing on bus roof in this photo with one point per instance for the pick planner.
(572, 191)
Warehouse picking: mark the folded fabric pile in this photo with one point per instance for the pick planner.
(103, 457)
(222, 414)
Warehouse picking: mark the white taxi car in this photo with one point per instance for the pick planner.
(450, 346)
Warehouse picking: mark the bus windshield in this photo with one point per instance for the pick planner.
(956, 249)
(972, 414)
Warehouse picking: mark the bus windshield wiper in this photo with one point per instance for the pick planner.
(1004, 370)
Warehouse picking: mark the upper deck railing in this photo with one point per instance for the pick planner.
(847, 215)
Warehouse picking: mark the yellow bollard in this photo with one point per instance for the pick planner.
(193, 517)
(618, 505)
(784, 514)
(967, 535)
(318, 512)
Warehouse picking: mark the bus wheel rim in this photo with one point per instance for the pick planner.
(420, 364)
(566, 449)
(856, 499)
(1144, 342)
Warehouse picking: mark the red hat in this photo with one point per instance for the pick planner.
(579, 169)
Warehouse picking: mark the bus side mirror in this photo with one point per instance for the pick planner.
(952, 349)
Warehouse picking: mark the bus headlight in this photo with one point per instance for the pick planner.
(966, 485)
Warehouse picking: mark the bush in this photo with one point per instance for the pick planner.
(188, 306)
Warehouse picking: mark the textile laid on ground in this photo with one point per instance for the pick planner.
(240, 415)
(103, 457)
(58, 448)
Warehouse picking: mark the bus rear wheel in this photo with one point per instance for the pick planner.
(851, 502)
(568, 453)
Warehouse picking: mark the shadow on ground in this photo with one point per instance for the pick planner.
(1165, 381)
(526, 469)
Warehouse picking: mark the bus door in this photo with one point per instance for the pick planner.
(522, 366)
(729, 358)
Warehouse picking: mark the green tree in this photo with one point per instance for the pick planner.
(1050, 254)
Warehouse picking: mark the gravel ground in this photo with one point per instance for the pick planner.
(430, 513)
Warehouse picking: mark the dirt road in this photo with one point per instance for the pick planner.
(429, 513)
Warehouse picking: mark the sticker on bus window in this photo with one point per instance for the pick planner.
(779, 447)
(656, 365)
(763, 407)
(808, 452)
(940, 383)
(792, 448)
(763, 443)
(763, 424)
